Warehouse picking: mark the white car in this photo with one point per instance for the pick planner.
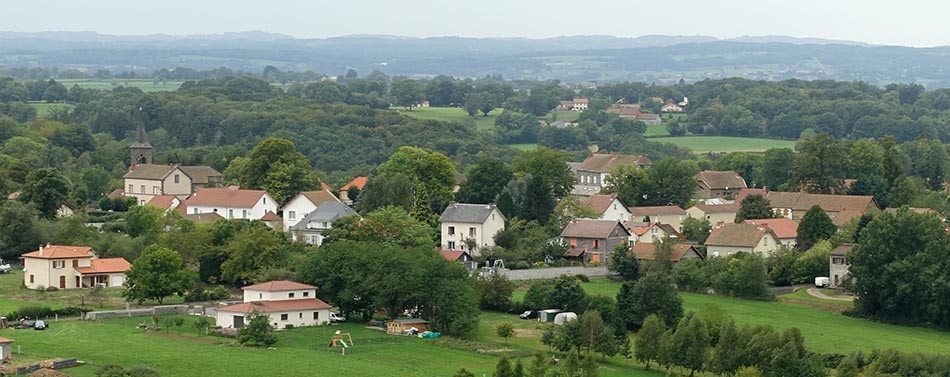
(336, 318)
(822, 282)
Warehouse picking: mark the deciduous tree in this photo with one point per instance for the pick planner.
(157, 274)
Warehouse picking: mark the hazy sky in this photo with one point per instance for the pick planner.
(907, 22)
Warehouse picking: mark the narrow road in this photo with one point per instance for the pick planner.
(815, 292)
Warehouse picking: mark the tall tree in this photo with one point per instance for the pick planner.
(386, 190)
(47, 190)
(754, 207)
(275, 165)
(696, 230)
(815, 226)
(18, 229)
(157, 274)
(407, 92)
(538, 202)
(690, 342)
(485, 180)
(631, 184)
(776, 167)
(385, 226)
(624, 263)
(866, 157)
(647, 345)
(673, 183)
(431, 173)
(550, 165)
(818, 166)
(652, 294)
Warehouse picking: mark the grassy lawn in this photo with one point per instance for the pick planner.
(569, 116)
(656, 130)
(704, 144)
(43, 108)
(824, 331)
(524, 147)
(13, 296)
(454, 114)
(147, 85)
(801, 297)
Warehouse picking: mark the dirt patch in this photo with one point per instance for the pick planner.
(526, 333)
(814, 292)
(48, 373)
(181, 337)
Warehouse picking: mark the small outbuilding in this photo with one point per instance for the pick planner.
(547, 315)
(562, 318)
(410, 326)
(6, 349)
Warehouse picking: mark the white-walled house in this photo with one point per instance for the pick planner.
(727, 239)
(67, 267)
(303, 204)
(285, 302)
(478, 222)
(608, 206)
(310, 229)
(230, 203)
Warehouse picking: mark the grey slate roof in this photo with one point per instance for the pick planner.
(467, 213)
(326, 212)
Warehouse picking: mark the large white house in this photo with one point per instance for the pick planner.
(310, 229)
(230, 203)
(470, 223)
(303, 204)
(608, 207)
(284, 302)
(67, 267)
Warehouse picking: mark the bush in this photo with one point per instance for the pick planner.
(207, 293)
(583, 278)
(51, 289)
(288, 326)
(521, 265)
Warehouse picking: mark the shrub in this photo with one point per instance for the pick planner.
(288, 326)
(51, 289)
(583, 278)
(521, 265)
(207, 293)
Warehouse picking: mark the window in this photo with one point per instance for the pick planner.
(230, 213)
(177, 178)
(59, 264)
(131, 189)
(471, 232)
(283, 317)
(290, 295)
(316, 315)
(292, 215)
(306, 294)
(451, 245)
(154, 190)
(260, 295)
(837, 260)
(31, 278)
(265, 200)
(243, 213)
(196, 211)
(141, 189)
(573, 242)
(451, 230)
(300, 315)
(75, 263)
(597, 244)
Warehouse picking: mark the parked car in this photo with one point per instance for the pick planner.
(336, 318)
(39, 325)
(529, 314)
(822, 282)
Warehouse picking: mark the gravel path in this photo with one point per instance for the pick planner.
(817, 293)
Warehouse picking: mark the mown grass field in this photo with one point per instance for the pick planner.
(524, 147)
(13, 296)
(147, 85)
(454, 114)
(706, 144)
(44, 108)
(824, 331)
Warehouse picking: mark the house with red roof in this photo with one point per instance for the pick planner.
(68, 267)
(642, 232)
(165, 202)
(358, 183)
(786, 230)
(462, 257)
(230, 203)
(285, 302)
(303, 204)
(680, 251)
(609, 207)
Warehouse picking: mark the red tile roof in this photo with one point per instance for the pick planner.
(783, 228)
(230, 197)
(358, 182)
(162, 201)
(5, 340)
(276, 306)
(750, 191)
(718, 180)
(270, 216)
(647, 251)
(105, 265)
(656, 210)
(603, 163)
(279, 285)
(452, 255)
(599, 203)
(325, 187)
(842, 249)
(60, 251)
(639, 229)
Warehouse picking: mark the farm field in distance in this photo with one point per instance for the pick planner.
(44, 108)
(707, 144)
(453, 114)
(147, 85)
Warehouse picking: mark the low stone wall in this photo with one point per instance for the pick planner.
(550, 273)
(160, 310)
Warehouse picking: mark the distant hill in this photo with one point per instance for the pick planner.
(649, 58)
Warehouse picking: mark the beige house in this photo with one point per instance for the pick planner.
(839, 268)
(68, 267)
(594, 170)
(728, 239)
(284, 302)
(470, 223)
(672, 215)
(840, 208)
(608, 207)
(785, 230)
(641, 232)
(357, 183)
(144, 181)
(719, 184)
(715, 213)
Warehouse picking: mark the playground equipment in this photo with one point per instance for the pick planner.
(341, 339)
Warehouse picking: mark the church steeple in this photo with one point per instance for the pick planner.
(141, 150)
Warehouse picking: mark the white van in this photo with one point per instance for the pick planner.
(822, 282)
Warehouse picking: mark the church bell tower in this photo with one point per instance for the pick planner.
(141, 150)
